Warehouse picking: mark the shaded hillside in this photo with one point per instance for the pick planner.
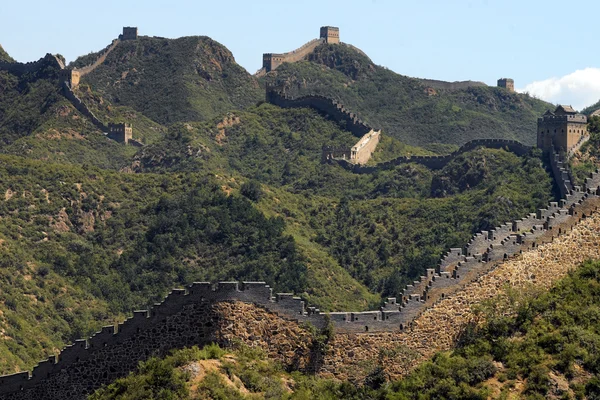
(79, 245)
(37, 121)
(172, 80)
(401, 105)
(27, 101)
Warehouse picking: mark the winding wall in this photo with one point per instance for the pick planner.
(273, 60)
(358, 154)
(450, 85)
(438, 162)
(17, 68)
(189, 317)
(89, 68)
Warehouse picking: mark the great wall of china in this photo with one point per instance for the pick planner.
(369, 137)
(195, 316)
(426, 317)
(121, 132)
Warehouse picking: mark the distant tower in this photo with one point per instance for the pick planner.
(331, 34)
(507, 84)
(129, 33)
(71, 76)
(121, 132)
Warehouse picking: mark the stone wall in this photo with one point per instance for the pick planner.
(17, 68)
(438, 162)
(351, 356)
(188, 317)
(325, 105)
(273, 60)
(450, 85)
(89, 68)
(361, 152)
(82, 107)
(201, 314)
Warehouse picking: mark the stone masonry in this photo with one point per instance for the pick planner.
(358, 154)
(507, 84)
(562, 129)
(328, 34)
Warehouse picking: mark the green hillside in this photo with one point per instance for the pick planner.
(27, 101)
(4, 56)
(231, 188)
(172, 80)
(373, 226)
(38, 122)
(401, 106)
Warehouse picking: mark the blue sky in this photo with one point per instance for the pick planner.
(546, 46)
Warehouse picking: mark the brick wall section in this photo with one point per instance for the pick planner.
(273, 60)
(438, 327)
(199, 315)
(89, 68)
(438, 162)
(361, 152)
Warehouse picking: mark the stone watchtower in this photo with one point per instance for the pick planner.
(121, 133)
(129, 33)
(331, 34)
(71, 76)
(561, 129)
(507, 84)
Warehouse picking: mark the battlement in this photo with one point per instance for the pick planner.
(331, 34)
(121, 132)
(562, 129)
(185, 317)
(18, 68)
(507, 83)
(270, 61)
(129, 33)
(358, 154)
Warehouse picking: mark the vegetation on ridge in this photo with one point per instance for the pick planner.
(401, 106)
(173, 80)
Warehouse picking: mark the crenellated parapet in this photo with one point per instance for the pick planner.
(187, 317)
(358, 154)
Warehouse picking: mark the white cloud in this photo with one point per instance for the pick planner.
(579, 89)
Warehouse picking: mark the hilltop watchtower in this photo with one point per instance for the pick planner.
(561, 129)
(121, 133)
(129, 33)
(507, 84)
(331, 34)
(71, 76)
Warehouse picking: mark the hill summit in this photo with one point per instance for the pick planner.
(415, 111)
(172, 80)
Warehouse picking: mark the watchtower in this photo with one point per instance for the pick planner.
(71, 76)
(272, 61)
(561, 129)
(129, 33)
(121, 133)
(507, 84)
(331, 34)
